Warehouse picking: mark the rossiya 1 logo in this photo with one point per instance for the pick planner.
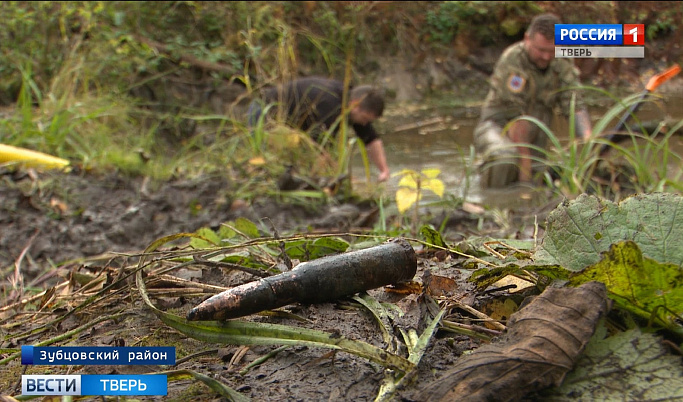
(600, 34)
(634, 34)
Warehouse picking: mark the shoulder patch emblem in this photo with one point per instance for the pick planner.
(516, 83)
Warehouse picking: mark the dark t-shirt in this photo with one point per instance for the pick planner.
(314, 104)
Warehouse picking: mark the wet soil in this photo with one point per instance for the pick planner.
(81, 215)
(56, 226)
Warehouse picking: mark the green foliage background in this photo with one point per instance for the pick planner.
(111, 37)
(109, 83)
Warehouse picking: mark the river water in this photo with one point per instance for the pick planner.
(424, 137)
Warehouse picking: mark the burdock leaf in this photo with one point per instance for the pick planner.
(579, 231)
(637, 283)
(628, 366)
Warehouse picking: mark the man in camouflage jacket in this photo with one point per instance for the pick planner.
(527, 81)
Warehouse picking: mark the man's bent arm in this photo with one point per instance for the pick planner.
(375, 151)
(583, 124)
(519, 134)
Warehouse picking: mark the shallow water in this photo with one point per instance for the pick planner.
(424, 137)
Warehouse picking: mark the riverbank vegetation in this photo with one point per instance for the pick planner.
(141, 87)
(146, 100)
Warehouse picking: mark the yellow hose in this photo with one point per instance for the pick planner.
(32, 159)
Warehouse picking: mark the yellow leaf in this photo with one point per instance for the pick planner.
(408, 181)
(403, 172)
(257, 161)
(431, 173)
(405, 198)
(435, 185)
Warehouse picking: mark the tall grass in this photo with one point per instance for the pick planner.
(574, 166)
(651, 161)
(81, 110)
(106, 131)
(67, 120)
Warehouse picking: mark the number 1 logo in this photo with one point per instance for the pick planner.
(634, 34)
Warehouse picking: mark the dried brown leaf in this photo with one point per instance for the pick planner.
(544, 340)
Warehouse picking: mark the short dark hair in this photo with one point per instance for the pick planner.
(371, 99)
(544, 24)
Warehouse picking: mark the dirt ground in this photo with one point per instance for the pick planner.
(82, 215)
(55, 226)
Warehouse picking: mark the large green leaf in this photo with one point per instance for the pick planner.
(639, 284)
(579, 231)
(629, 366)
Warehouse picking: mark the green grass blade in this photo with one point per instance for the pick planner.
(380, 313)
(237, 332)
(215, 385)
(416, 351)
(251, 333)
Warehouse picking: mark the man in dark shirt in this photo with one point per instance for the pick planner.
(314, 105)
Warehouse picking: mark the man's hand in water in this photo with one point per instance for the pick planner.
(383, 176)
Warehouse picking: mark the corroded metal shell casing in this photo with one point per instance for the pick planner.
(322, 280)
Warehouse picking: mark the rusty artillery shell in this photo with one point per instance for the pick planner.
(322, 280)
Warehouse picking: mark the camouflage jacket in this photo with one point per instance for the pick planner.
(518, 88)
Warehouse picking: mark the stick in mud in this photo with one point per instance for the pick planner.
(322, 280)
